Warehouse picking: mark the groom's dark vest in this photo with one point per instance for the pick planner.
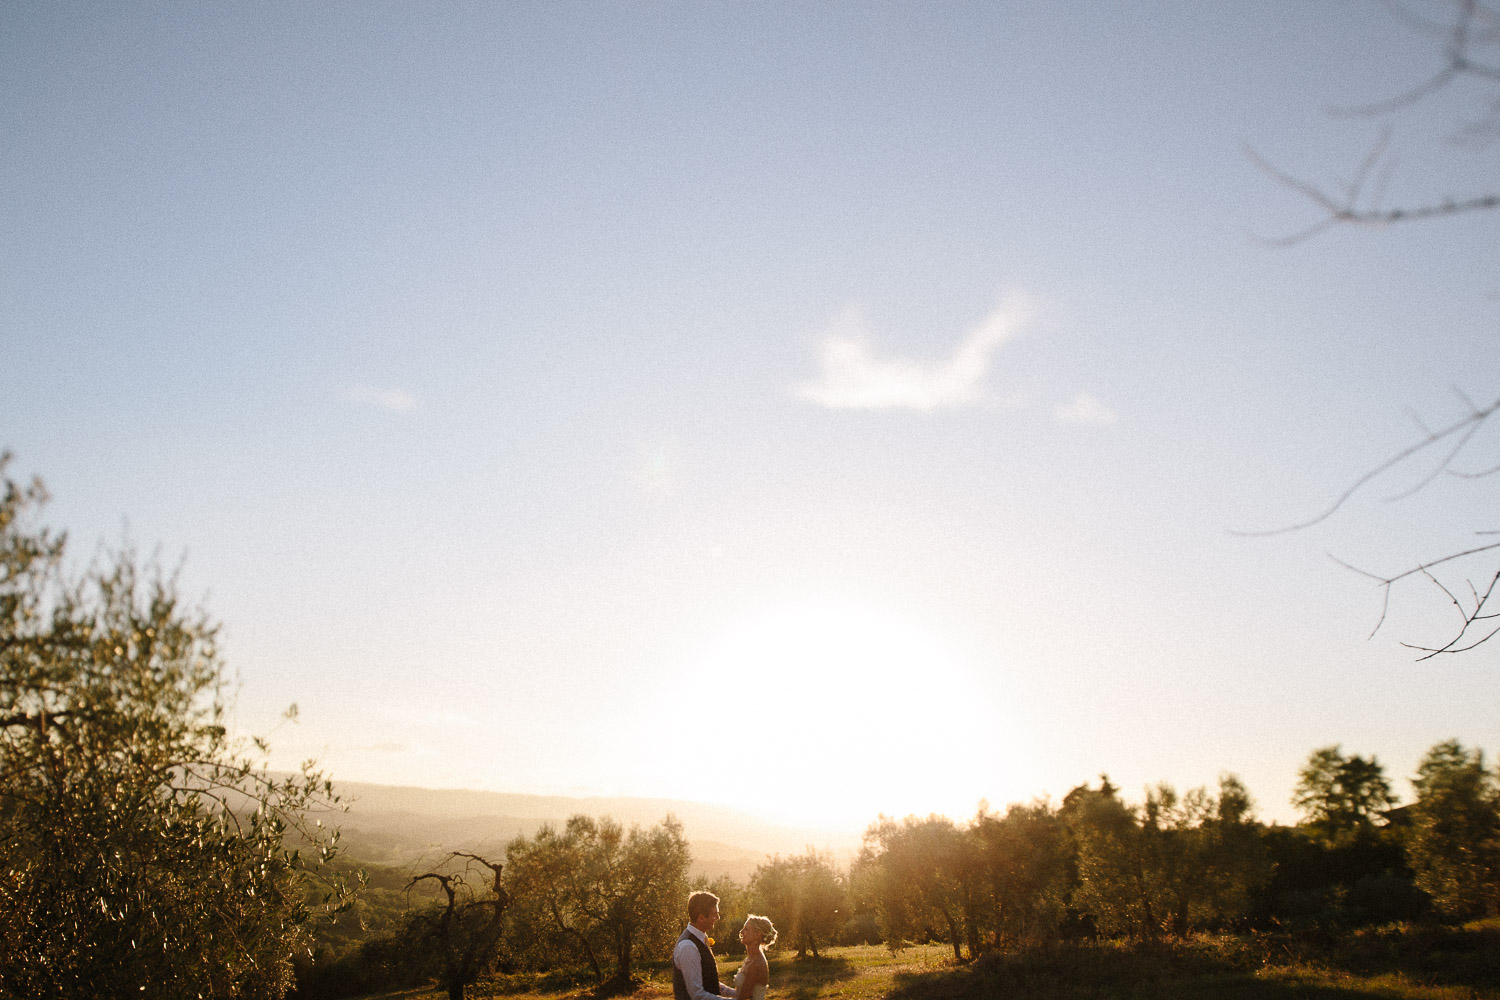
(710, 969)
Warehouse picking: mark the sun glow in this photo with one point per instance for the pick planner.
(833, 713)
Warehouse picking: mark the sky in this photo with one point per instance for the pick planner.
(825, 409)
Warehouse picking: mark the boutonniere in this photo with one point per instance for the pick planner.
(710, 942)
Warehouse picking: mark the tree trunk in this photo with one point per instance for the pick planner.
(623, 949)
(955, 938)
(971, 928)
(588, 951)
(1180, 918)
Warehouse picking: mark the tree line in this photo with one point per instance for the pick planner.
(144, 850)
(587, 899)
(1095, 865)
(590, 895)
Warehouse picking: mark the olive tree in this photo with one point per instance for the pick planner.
(1177, 864)
(804, 895)
(1454, 844)
(604, 891)
(1202, 855)
(142, 850)
(1342, 797)
(1026, 857)
(924, 877)
(1112, 888)
(460, 935)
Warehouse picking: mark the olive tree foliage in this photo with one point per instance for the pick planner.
(806, 894)
(1176, 864)
(1109, 858)
(1026, 858)
(142, 850)
(599, 894)
(1464, 38)
(1203, 855)
(1454, 843)
(734, 908)
(550, 923)
(923, 875)
(998, 881)
(1342, 798)
(1235, 863)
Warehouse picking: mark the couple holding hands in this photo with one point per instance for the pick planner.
(695, 975)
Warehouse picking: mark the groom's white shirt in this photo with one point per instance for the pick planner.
(686, 957)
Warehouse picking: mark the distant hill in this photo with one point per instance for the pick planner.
(398, 825)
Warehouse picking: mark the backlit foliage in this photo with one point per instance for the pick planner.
(141, 852)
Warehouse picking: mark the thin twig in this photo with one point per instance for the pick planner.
(1448, 649)
(1472, 421)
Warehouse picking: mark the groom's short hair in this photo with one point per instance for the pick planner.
(700, 903)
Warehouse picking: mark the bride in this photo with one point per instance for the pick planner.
(750, 982)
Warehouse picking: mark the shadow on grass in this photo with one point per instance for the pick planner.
(556, 981)
(1116, 972)
(1440, 956)
(804, 978)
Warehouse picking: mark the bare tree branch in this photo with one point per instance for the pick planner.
(1349, 212)
(1457, 54)
(1426, 88)
(1465, 428)
(1473, 25)
(1475, 475)
(1476, 420)
(1469, 616)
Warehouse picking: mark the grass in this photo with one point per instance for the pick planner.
(1394, 963)
(858, 973)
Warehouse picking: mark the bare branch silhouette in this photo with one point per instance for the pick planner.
(1470, 616)
(1457, 54)
(1426, 88)
(1477, 609)
(465, 932)
(1349, 210)
(1473, 25)
(1465, 428)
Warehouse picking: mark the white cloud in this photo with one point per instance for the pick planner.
(395, 400)
(853, 378)
(1085, 409)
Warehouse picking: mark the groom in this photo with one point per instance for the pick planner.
(693, 967)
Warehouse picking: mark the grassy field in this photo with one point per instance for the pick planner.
(860, 973)
(1395, 963)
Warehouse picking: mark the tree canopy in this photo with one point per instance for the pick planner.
(1455, 841)
(1341, 796)
(600, 891)
(806, 892)
(142, 850)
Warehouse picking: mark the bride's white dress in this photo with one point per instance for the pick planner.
(760, 990)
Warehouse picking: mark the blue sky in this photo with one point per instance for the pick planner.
(876, 384)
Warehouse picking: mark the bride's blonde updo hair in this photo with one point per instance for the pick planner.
(762, 924)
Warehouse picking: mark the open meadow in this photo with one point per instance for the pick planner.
(1394, 963)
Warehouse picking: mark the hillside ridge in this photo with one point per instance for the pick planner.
(399, 824)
